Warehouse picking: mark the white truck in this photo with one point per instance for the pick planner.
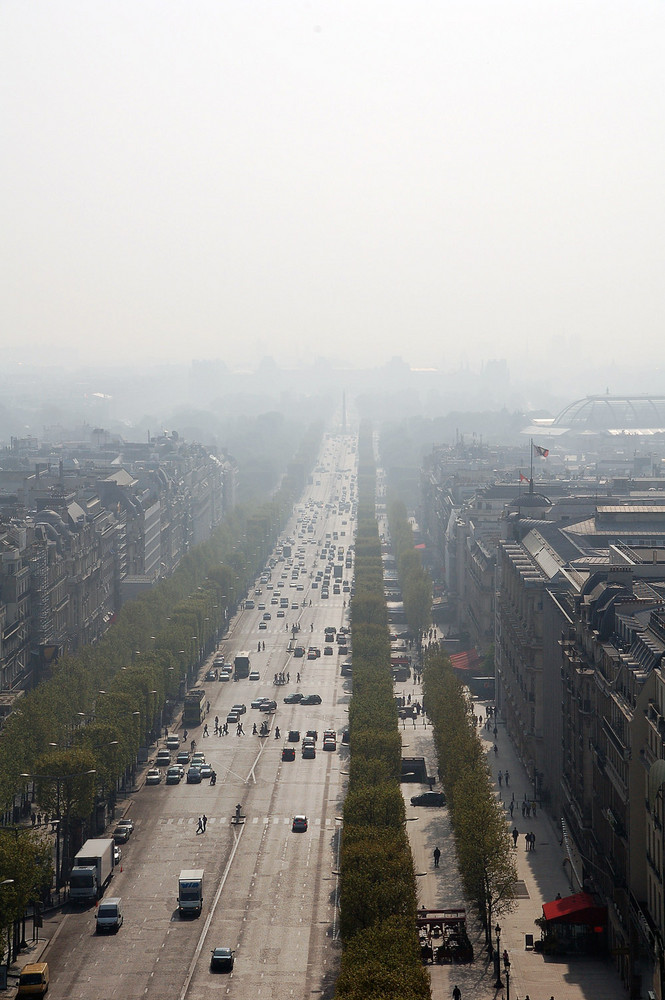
(92, 870)
(190, 891)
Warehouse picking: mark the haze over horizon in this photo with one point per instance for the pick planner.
(444, 182)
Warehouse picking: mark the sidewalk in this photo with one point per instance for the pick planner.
(541, 875)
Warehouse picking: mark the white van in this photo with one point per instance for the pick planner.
(109, 914)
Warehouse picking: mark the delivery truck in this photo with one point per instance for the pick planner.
(190, 891)
(92, 870)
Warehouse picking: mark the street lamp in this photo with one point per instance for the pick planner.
(499, 983)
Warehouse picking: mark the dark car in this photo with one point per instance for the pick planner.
(288, 753)
(293, 698)
(294, 736)
(311, 699)
(221, 960)
(194, 776)
(308, 752)
(268, 706)
(121, 834)
(429, 799)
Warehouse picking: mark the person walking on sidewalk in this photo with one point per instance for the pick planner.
(437, 855)
(507, 777)
(500, 778)
(457, 993)
(516, 834)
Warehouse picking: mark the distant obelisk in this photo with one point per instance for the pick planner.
(343, 413)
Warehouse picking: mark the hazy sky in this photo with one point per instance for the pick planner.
(448, 181)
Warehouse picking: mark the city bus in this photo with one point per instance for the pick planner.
(241, 665)
(195, 707)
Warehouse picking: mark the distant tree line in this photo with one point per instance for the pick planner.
(381, 956)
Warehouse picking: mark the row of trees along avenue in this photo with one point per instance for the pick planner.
(74, 740)
(482, 840)
(381, 956)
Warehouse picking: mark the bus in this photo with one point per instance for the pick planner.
(241, 665)
(195, 707)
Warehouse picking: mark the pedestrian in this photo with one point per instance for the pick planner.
(533, 841)
(496, 732)
(511, 807)
(205, 730)
(437, 855)
(288, 678)
(515, 836)
(528, 809)
(39, 819)
(457, 993)
(496, 749)
(527, 841)
(208, 708)
(264, 646)
(298, 678)
(199, 828)
(500, 778)
(254, 730)
(204, 820)
(507, 777)
(185, 735)
(533, 808)
(33, 818)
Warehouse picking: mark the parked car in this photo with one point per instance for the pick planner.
(127, 824)
(429, 799)
(121, 834)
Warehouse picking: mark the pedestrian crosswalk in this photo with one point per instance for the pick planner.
(231, 820)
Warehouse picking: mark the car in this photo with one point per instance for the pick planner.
(293, 699)
(294, 607)
(183, 757)
(345, 738)
(315, 584)
(312, 734)
(257, 702)
(262, 606)
(267, 617)
(219, 660)
(309, 752)
(299, 824)
(239, 708)
(174, 775)
(299, 651)
(127, 824)
(221, 960)
(281, 613)
(294, 736)
(163, 758)
(274, 600)
(329, 744)
(121, 835)
(254, 675)
(428, 799)
(311, 699)
(311, 654)
(211, 675)
(153, 776)
(206, 770)
(288, 753)
(173, 741)
(262, 626)
(117, 855)
(343, 650)
(325, 595)
(197, 760)
(225, 675)
(194, 776)
(268, 706)
(327, 651)
(232, 718)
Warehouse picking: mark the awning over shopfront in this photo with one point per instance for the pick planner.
(578, 909)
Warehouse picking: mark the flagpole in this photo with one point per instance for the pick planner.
(531, 476)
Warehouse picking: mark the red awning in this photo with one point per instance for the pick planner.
(465, 661)
(577, 909)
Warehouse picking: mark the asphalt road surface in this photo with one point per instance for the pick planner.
(269, 893)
